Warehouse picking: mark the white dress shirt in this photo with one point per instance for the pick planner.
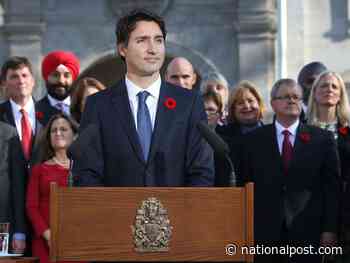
(17, 115)
(151, 101)
(65, 104)
(280, 136)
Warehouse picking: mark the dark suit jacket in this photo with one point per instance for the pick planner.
(19, 179)
(343, 143)
(9, 168)
(306, 199)
(45, 107)
(233, 136)
(178, 155)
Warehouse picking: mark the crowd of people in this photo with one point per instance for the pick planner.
(146, 134)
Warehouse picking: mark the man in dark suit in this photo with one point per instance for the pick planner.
(59, 69)
(148, 133)
(10, 167)
(295, 168)
(19, 111)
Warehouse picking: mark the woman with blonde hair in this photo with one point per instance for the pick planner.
(245, 112)
(328, 108)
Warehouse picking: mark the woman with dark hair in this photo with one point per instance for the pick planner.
(245, 111)
(213, 107)
(54, 167)
(85, 87)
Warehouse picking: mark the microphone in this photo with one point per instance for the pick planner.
(218, 145)
(79, 146)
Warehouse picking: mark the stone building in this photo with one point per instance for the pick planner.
(258, 40)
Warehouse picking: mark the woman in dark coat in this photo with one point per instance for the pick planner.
(245, 112)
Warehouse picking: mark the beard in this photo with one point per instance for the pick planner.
(58, 91)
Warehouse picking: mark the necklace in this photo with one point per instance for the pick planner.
(62, 163)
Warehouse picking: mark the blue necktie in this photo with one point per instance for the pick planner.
(144, 125)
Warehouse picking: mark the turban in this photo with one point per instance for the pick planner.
(60, 57)
(313, 68)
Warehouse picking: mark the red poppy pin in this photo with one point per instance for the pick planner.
(343, 130)
(170, 103)
(305, 137)
(39, 115)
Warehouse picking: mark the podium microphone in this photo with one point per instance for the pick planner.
(78, 146)
(218, 145)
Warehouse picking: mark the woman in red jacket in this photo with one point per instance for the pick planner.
(54, 167)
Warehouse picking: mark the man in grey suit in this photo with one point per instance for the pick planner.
(11, 166)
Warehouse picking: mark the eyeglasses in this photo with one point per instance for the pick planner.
(288, 97)
(211, 112)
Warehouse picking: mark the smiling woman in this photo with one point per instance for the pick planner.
(56, 139)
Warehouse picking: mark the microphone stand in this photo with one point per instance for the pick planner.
(70, 174)
(232, 178)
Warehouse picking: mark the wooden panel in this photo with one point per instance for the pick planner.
(94, 224)
(19, 260)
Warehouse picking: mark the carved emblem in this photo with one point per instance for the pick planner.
(152, 230)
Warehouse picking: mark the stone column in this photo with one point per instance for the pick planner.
(256, 30)
(23, 29)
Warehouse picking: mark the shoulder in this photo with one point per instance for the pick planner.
(7, 130)
(230, 129)
(43, 102)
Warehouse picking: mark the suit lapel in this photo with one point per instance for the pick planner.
(120, 101)
(275, 150)
(7, 114)
(162, 120)
(299, 145)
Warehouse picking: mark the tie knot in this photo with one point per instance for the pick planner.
(23, 111)
(143, 95)
(286, 133)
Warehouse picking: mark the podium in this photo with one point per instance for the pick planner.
(98, 223)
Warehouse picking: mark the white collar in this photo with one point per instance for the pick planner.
(292, 129)
(133, 89)
(29, 107)
(54, 102)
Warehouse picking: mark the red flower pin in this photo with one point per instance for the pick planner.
(170, 103)
(39, 115)
(343, 130)
(305, 137)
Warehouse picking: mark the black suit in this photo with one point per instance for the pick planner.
(48, 111)
(178, 155)
(299, 206)
(343, 142)
(232, 134)
(22, 167)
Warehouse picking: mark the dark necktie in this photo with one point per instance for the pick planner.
(144, 125)
(287, 150)
(26, 134)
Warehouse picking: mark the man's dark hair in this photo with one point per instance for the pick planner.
(313, 68)
(14, 63)
(127, 24)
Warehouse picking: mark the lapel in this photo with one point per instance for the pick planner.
(120, 101)
(277, 157)
(302, 139)
(7, 115)
(163, 120)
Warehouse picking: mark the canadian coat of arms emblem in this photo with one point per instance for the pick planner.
(151, 231)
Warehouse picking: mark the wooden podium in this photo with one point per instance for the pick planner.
(95, 223)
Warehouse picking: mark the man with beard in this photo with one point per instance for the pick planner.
(59, 69)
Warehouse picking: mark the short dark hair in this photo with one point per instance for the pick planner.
(14, 63)
(127, 24)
